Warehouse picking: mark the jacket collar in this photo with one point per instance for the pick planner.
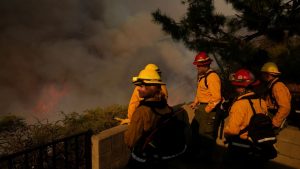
(158, 102)
(271, 82)
(209, 70)
(250, 93)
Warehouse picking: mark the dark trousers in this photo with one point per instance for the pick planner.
(204, 133)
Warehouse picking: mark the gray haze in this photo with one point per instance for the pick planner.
(73, 55)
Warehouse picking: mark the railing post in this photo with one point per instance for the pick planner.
(10, 164)
(66, 154)
(40, 159)
(88, 149)
(26, 162)
(76, 153)
(54, 156)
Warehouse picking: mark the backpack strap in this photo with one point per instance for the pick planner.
(254, 112)
(205, 77)
(251, 104)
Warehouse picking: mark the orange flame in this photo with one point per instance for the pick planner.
(50, 96)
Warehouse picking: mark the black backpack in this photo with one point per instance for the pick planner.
(260, 128)
(262, 135)
(165, 141)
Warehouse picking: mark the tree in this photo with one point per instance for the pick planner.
(260, 31)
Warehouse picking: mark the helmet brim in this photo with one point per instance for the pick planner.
(245, 83)
(135, 79)
(158, 82)
(272, 73)
(203, 63)
(139, 82)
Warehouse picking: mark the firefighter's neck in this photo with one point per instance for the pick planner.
(270, 78)
(242, 91)
(203, 70)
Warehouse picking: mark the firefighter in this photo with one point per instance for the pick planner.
(206, 102)
(239, 117)
(146, 116)
(135, 98)
(278, 96)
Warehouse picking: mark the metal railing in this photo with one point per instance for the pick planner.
(73, 152)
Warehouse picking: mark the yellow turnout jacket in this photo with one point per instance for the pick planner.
(211, 94)
(282, 103)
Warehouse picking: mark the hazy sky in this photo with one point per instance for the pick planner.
(73, 55)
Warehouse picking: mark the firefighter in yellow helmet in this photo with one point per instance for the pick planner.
(278, 96)
(145, 118)
(208, 98)
(135, 98)
(149, 83)
(239, 118)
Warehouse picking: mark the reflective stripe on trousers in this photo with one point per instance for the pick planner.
(143, 160)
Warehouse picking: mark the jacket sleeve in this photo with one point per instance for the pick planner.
(133, 103)
(283, 98)
(214, 86)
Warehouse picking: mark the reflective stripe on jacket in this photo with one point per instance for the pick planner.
(240, 114)
(282, 103)
(135, 100)
(212, 94)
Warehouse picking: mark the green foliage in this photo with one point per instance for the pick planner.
(96, 119)
(198, 29)
(16, 135)
(270, 17)
(238, 38)
(11, 123)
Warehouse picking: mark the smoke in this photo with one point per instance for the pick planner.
(74, 55)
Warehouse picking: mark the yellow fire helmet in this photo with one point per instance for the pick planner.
(152, 66)
(135, 79)
(147, 76)
(270, 67)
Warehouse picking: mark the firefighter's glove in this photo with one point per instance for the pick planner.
(122, 121)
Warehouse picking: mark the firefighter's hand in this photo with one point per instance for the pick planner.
(122, 121)
(193, 105)
(125, 121)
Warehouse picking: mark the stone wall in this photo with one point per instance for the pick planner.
(109, 150)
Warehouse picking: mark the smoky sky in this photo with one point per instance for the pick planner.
(73, 55)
